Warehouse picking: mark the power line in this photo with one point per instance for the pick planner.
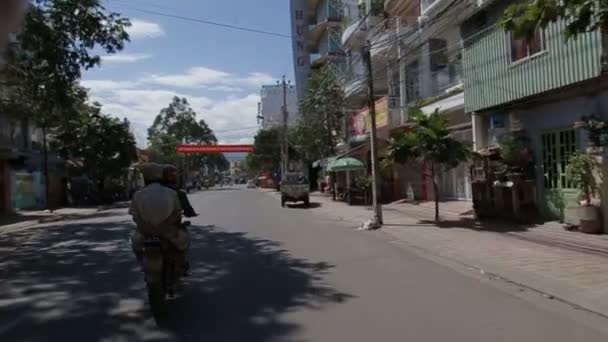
(236, 129)
(417, 47)
(206, 22)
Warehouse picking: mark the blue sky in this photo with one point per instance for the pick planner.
(218, 69)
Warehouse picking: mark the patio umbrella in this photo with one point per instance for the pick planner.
(345, 164)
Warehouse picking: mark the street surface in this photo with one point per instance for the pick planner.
(262, 273)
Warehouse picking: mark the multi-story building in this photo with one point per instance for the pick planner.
(271, 105)
(430, 75)
(317, 31)
(540, 87)
(415, 57)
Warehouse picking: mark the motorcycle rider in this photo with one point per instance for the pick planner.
(170, 180)
(156, 211)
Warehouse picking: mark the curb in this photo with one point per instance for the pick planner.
(55, 218)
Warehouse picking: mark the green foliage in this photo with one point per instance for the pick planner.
(85, 137)
(581, 16)
(515, 150)
(579, 171)
(177, 124)
(266, 155)
(322, 111)
(59, 39)
(429, 141)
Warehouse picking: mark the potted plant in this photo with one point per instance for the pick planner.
(579, 171)
(516, 154)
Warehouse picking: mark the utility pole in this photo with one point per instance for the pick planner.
(371, 102)
(285, 137)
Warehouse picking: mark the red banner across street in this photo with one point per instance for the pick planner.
(214, 148)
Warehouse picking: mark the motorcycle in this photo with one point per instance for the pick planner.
(162, 272)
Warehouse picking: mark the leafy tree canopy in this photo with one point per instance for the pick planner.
(85, 137)
(59, 39)
(177, 124)
(581, 16)
(266, 155)
(322, 111)
(431, 143)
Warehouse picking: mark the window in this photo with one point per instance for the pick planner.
(523, 48)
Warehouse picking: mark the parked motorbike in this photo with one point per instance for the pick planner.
(162, 271)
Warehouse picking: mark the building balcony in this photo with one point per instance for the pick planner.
(355, 80)
(356, 33)
(453, 101)
(430, 7)
(317, 60)
(315, 31)
(387, 34)
(446, 79)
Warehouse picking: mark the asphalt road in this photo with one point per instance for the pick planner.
(262, 273)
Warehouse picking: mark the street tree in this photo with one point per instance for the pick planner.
(266, 155)
(318, 131)
(177, 124)
(58, 40)
(86, 137)
(429, 142)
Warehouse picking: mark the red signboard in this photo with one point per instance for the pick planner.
(214, 148)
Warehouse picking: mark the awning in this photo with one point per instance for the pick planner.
(323, 162)
(450, 104)
(345, 164)
(326, 161)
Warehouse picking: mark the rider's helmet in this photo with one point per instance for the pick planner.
(151, 172)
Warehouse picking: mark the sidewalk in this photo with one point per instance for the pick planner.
(570, 266)
(29, 218)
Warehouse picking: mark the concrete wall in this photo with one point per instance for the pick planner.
(536, 119)
(557, 115)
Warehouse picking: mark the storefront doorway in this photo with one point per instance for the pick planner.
(559, 193)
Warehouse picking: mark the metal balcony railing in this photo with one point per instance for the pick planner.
(386, 34)
(354, 80)
(447, 77)
(426, 4)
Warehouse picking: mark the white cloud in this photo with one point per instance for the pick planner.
(125, 58)
(141, 29)
(258, 79)
(195, 77)
(201, 77)
(232, 116)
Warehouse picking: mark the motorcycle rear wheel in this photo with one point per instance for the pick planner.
(158, 303)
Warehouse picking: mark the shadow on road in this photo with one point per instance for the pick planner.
(312, 205)
(240, 285)
(79, 282)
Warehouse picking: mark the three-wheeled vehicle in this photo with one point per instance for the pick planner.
(295, 188)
